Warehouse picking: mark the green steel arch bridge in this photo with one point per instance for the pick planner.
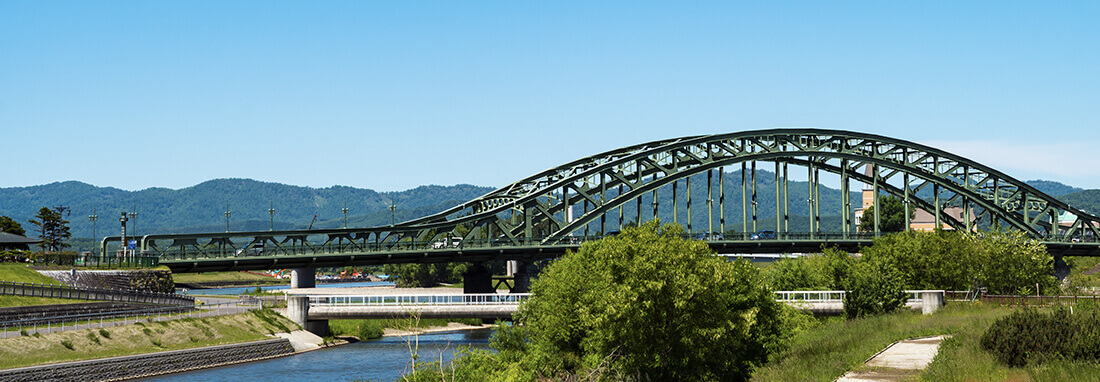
(556, 210)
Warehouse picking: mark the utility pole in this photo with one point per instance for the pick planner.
(271, 211)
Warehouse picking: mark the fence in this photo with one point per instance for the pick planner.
(67, 292)
(1036, 300)
(831, 296)
(101, 320)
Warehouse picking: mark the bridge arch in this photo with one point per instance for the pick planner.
(614, 179)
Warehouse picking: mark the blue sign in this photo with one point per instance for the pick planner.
(132, 244)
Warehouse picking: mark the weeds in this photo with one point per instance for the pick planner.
(67, 344)
(94, 338)
(105, 333)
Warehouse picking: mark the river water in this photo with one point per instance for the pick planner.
(381, 360)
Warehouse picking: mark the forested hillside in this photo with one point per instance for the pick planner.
(202, 207)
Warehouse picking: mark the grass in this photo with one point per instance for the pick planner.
(825, 353)
(241, 278)
(132, 339)
(21, 273)
(9, 301)
(836, 346)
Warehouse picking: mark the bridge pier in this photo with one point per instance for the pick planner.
(1061, 269)
(303, 278)
(297, 310)
(477, 279)
(521, 278)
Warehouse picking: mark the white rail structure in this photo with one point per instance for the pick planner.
(474, 299)
(833, 295)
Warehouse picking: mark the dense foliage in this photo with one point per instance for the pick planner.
(874, 287)
(891, 218)
(1028, 335)
(1003, 262)
(644, 305)
(201, 208)
(9, 225)
(424, 275)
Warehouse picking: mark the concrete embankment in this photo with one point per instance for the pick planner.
(145, 365)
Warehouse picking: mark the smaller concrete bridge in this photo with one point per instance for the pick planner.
(313, 312)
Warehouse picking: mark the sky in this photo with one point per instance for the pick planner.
(393, 95)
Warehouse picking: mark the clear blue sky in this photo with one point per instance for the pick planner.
(391, 95)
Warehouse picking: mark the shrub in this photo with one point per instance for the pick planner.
(874, 287)
(94, 338)
(105, 333)
(67, 344)
(1029, 335)
(23, 332)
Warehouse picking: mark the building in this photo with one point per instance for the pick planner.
(11, 241)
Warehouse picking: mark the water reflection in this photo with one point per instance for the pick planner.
(382, 360)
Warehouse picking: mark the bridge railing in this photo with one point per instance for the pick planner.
(214, 250)
(420, 300)
(830, 296)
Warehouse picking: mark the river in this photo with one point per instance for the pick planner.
(380, 360)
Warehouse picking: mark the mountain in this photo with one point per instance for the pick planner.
(202, 207)
(1053, 188)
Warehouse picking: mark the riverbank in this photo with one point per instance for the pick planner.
(141, 338)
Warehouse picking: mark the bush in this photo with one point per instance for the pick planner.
(874, 287)
(105, 333)
(1030, 336)
(94, 338)
(67, 344)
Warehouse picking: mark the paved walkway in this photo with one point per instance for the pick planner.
(901, 361)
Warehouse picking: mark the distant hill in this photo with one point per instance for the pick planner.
(1053, 188)
(202, 207)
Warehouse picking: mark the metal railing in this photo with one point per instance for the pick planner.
(67, 292)
(833, 295)
(110, 319)
(421, 300)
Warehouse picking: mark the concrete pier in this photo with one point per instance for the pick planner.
(297, 310)
(303, 278)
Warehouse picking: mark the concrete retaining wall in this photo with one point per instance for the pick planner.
(141, 280)
(145, 365)
(45, 312)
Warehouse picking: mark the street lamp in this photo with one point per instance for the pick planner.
(133, 216)
(92, 218)
(393, 213)
(345, 215)
(227, 218)
(271, 211)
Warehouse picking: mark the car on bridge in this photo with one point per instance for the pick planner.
(764, 234)
(448, 242)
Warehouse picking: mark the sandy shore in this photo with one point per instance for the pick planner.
(451, 327)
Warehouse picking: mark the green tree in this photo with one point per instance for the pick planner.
(424, 275)
(875, 286)
(654, 306)
(11, 226)
(52, 228)
(891, 219)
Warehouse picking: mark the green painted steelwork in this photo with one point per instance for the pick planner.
(536, 212)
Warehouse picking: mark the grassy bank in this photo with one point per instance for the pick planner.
(21, 273)
(836, 346)
(140, 338)
(226, 278)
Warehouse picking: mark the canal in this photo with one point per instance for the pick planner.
(381, 360)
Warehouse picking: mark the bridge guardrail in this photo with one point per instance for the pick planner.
(67, 292)
(421, 300)
(832, 295)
